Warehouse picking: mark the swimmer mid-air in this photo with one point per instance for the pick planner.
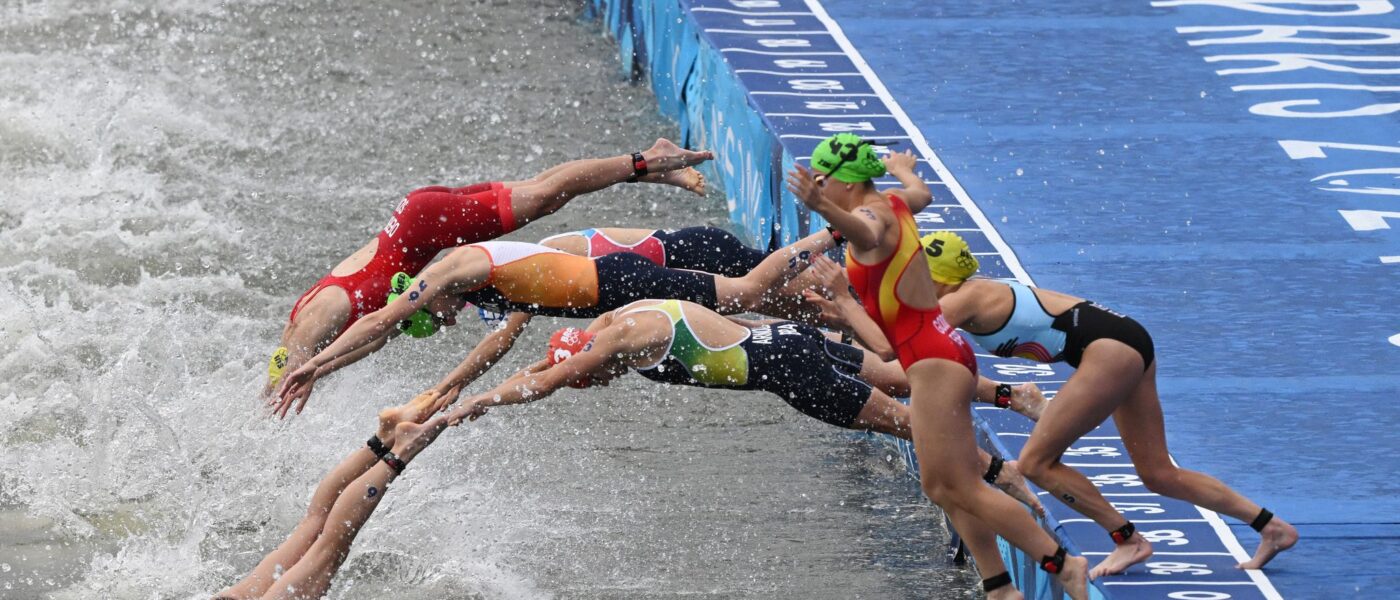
(303, 566)
(436, 218)
(683, 343)
(516, 276)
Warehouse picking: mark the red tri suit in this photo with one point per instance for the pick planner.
(427, 221)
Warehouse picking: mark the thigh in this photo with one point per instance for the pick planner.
(1106, 376)
(627, 278)
(941, 422)
(1140, 423)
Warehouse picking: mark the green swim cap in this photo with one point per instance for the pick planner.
(420, 324)
(848, 158)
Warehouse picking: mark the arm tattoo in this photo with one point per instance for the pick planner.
(869, 214)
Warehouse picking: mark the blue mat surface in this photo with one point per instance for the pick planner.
(1190, 162)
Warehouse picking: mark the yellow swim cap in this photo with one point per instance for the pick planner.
(949, 260)
(277, 365)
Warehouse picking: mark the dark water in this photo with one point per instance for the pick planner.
(174, 174)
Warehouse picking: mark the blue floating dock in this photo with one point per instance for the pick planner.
(1223, 170)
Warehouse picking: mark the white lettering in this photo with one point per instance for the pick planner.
(767, 22)
(1298, 62)
(785, 43)
(839, 127)
(798, 63)
(828, 105)
(1176, 568)
(1395, 339)
(1368, 220)
(755, 3)
(1358, 7)
(815, 84)
(1267, 87)
(1147, 508)
(392, 227)
(1271, 34)
(1168, 537)
(1283, 108)
(1198, 595)
(1342, 185)
(1300, 149)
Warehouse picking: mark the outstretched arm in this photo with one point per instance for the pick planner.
(454, 274)
(863, 228)
(486, 353)
(521, 389)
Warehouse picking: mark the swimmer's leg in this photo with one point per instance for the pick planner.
(745, 294)
(312, 575)
(1140, 424)
(1108, 374)
(539, 197)
(941, 421)
(304, 535)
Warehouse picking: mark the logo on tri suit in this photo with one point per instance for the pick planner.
(392, 227)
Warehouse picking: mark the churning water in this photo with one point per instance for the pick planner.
(173, 174)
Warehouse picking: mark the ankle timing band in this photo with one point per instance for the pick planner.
(1054, 564)
(1003, 399)
(1123, 534)
(393, 461)
(377, 446)
(993, 470)
(996, 582)
(1263, 519)
(639, 167)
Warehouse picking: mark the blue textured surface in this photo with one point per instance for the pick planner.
(1119, 166)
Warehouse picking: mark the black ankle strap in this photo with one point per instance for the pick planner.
(993, 470)
(1003, 399)
(393, 461)
(377, 446)
(1054, 564)
(996, 582)
(1263, 519)
(1123, 534)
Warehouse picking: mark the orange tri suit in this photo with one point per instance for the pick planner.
(426, 221)
(540, 280)
(915, 333)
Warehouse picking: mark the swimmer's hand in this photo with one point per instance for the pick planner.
(471, 410)
(802, 182)
(442, 400)
(900, 162)
(829, 314)
(832, 279)
(296, 389)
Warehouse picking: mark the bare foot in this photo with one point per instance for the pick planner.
(1027, 400)
(1073, 577)
(1011, 481)
(1006, 592)
(417, 409)
(1127, 554)
(411, 438)
(1277, 536)
(665, 155)
(686, 178)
